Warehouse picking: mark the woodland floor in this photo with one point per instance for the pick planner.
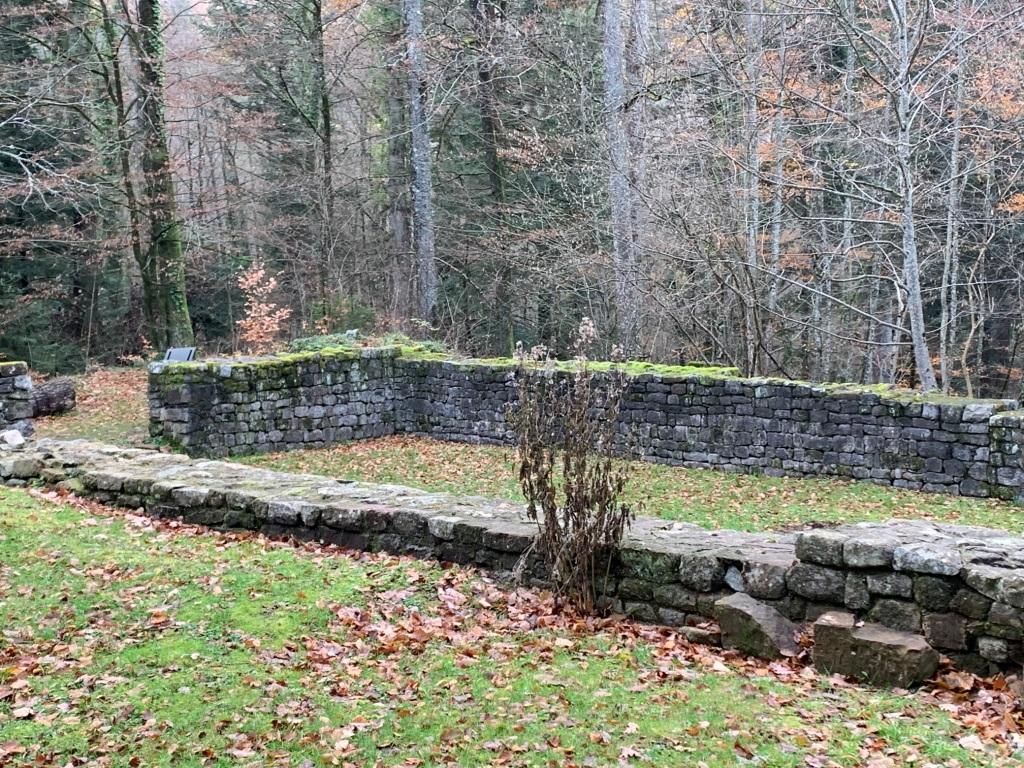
(112, 407)
(133, 642)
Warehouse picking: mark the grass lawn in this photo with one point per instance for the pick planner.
(706, 497)
(132, 642)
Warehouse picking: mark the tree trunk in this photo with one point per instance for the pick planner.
(321, 108)
(620, 194)
(165, 258)
(398, 215)
(911, 262)
(51, 397)
(778, 209)
(752, 181)
(422, 183)
(951, 252)
(114, 85)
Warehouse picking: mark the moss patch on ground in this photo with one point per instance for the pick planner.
(131, 642)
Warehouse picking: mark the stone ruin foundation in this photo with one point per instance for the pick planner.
(920, 585)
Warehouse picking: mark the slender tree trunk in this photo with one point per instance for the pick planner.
(486, 14)
(114, 84)
(422, 183)
(165, 250)
(778, 208)
(627, 302)
(638, 55)
(325, 158)
(751, 176)
(398, 216)
(911, 262)
(951, 252)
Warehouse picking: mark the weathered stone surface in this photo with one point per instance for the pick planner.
(661, 567)
(12, 437)
(816, 582)
(765, 580)
(994, 649)
(675, 596)
(934, 593)
(971, 604)
(857, 597)
(869, 552)
(897, 614)
(871, 653)
(15, 405)
(824, 547)
(702, 635)
(927, 558)
(702, 572)
(890, 584)
(945, 630)
(734, 579)
(753, 627)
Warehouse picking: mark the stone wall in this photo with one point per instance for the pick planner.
(689, 418)
(961, 587)
(15, 397)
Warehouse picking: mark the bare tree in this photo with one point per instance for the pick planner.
(422, 179)
(624, 258)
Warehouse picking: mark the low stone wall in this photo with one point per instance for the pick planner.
(15, 397)
(274, 404)
(962, 587)
(689, 418)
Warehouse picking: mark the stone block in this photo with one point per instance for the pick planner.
(869, 552)
(927, 558)
(971, 604)
(822, 547)
(701, 572)
(890, 584)
(871, 653)
(934, 593)
(661, 567)
(753, 627)
(675, 596)
(856, 596)
(897, 614)
(945, 630)
(765, 580)
(816, 582)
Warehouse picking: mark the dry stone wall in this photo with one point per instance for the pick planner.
(961, 586)
(15, 397)
(891, 437)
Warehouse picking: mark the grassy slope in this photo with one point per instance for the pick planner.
(706, 497)
(152, 644)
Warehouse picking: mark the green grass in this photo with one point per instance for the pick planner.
(709, 498)
(130, 642)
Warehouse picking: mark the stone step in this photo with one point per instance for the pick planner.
(871, 653)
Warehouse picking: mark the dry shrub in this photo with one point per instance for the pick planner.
(263, 320)
(565, 424)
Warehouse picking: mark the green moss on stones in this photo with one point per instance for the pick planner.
(286, 365)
